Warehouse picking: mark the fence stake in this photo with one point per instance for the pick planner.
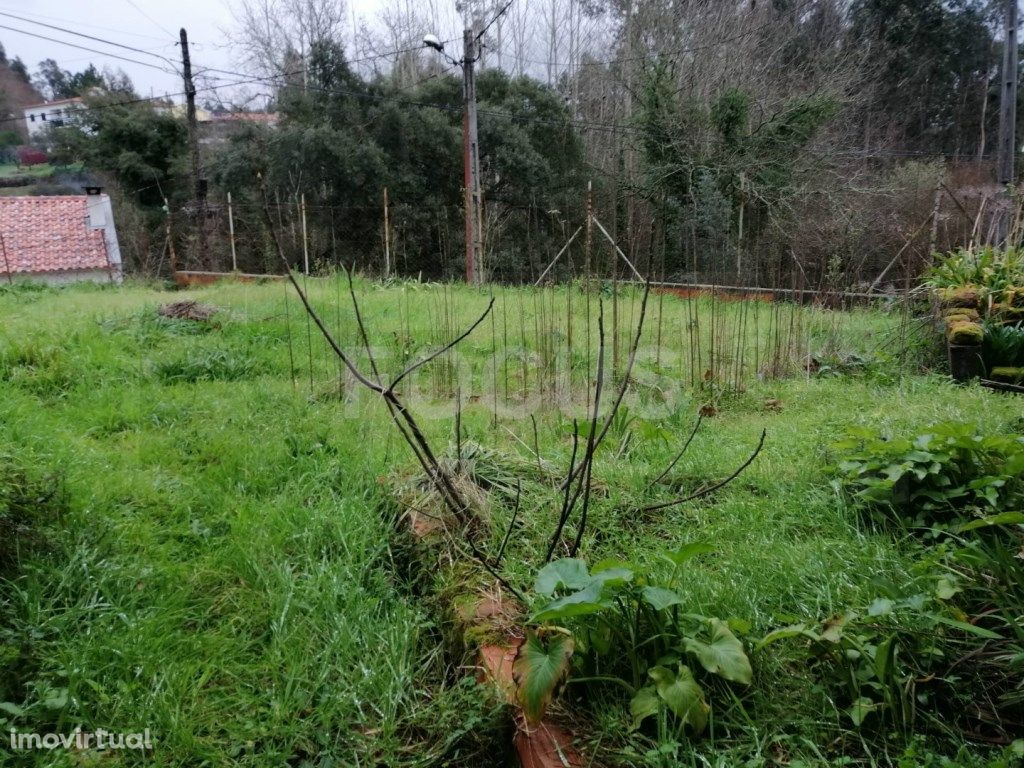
(7, 264)
(231, 232)
(387, 238)
(305, 242)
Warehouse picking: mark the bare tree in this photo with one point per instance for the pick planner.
(269, 33)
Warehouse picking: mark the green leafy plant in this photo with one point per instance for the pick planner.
(995, 272)
(540, 668)
(1002, 345)
(948, 473)
(887, 660)
(633, 633)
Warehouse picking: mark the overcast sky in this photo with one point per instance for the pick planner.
(149, 25)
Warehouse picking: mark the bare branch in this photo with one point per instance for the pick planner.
(710, 489)
(511, 525)
(663, 475)
(563, 513)
(440, 351)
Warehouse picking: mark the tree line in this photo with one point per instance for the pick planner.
(768, 141)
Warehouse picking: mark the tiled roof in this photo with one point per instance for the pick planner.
(49, 234)
(72, 100)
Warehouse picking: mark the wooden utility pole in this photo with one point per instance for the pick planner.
(198, 188)
(1008, 99)
(471, 161)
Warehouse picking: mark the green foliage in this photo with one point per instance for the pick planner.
(634, 630)
(703, 156)
(233, 578)
(969, 486)
(31, 503)
(935, 66)
(948, 474)
(993, 271)
(60, 83)
(342, 140)
(137, 145)
(540, 667)
(1003, 345)
(215, 365)
(894, 659)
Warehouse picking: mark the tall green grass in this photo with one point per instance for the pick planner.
(225, 574)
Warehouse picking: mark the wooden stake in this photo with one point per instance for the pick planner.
(170, 240)
(231, 232)
(305, 242)
(387, 237)
(7, 264)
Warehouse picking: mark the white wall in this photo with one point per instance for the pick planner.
(41, 116)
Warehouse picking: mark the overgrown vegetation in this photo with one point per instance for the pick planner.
(947, 476)
(232, 580)
(963, 494)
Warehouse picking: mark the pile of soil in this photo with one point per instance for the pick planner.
(188, 310)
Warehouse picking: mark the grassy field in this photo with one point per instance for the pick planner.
(223, 573)
(39, 171)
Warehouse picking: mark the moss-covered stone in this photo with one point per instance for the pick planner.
(962, 315)
(965, 334)
(1015, 297)
(1007, 312)
(965, 296)
(1009, 374)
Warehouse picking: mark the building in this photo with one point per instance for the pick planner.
(180, 111)
(59, 239)
(38, 117)
(222, 125)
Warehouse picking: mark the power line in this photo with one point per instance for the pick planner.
(87, 37)
(139, 100)
(149, 18)
(497, 16)
(84, 24)
(84, 48)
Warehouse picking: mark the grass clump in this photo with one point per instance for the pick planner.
(31, 505)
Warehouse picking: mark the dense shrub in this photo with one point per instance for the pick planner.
(31, 156)
(1003, 345)
(946, 475)
(994, 272)
(964, 634)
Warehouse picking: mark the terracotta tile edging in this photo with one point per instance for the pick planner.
(544, 745)
(541, 745)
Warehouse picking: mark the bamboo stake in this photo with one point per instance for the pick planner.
(387, 237)
(231, 232)
(305, 242)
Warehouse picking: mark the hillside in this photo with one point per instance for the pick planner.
(15, 94)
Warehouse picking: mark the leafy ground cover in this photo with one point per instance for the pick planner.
(222, 567)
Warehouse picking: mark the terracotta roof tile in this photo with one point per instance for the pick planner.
(49, 234)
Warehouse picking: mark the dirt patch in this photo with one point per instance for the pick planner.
(188, 310)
